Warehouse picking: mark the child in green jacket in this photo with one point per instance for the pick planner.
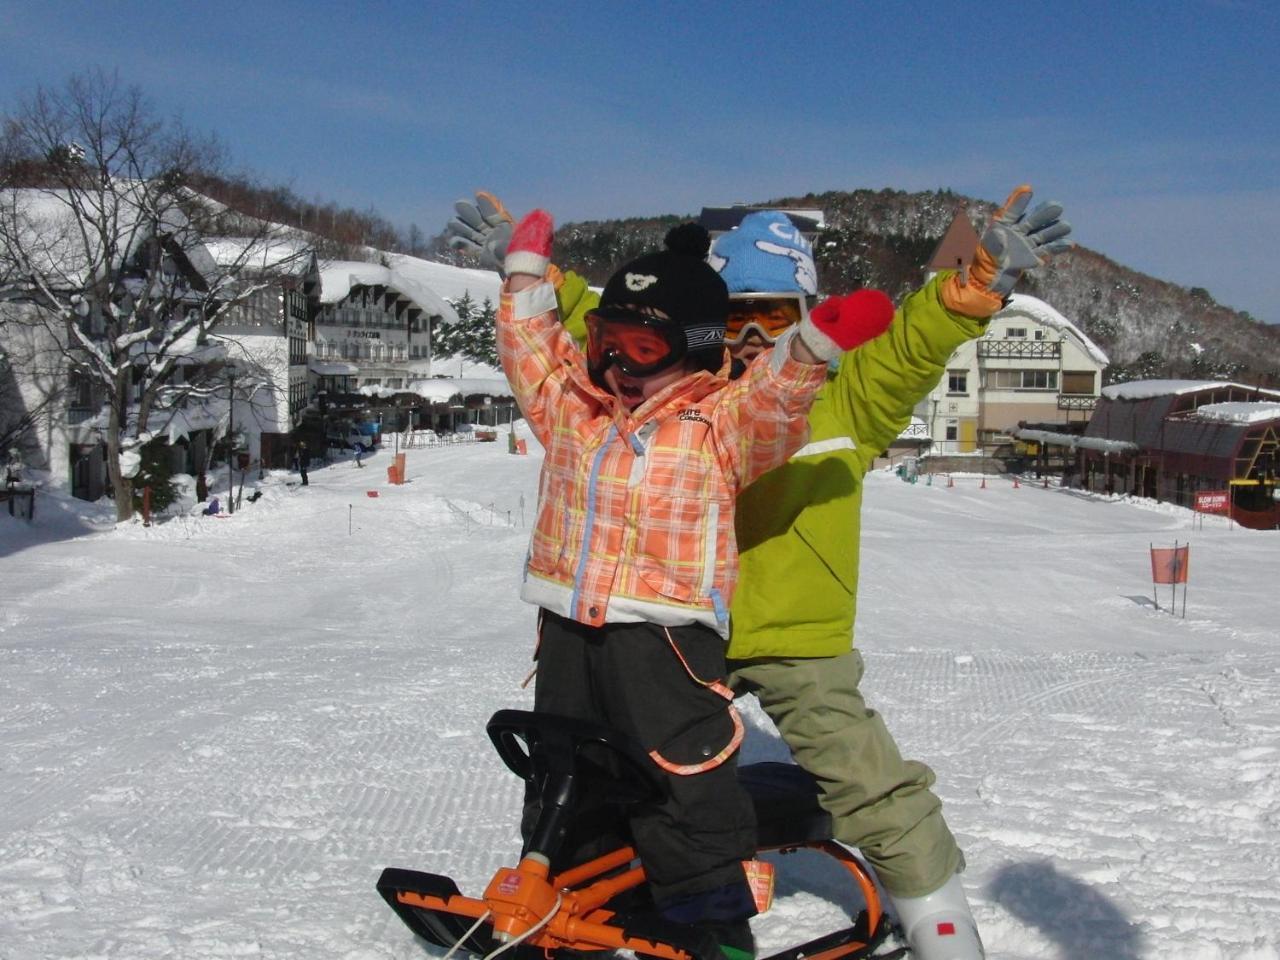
(792, 635)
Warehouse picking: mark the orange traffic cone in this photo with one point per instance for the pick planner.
(1016, 485)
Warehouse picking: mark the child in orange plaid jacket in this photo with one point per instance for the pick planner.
(633, 558)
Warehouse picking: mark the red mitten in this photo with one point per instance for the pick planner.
(529, 250)
(838, 324)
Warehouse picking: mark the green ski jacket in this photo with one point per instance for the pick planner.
(799, 525)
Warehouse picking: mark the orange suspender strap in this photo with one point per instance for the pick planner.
(715, 686)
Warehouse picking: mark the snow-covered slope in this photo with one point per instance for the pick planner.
(215, 732)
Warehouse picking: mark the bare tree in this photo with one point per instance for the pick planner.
(130, 271)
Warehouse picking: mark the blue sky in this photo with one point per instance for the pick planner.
(1156, 124)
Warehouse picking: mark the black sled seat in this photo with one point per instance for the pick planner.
(786, 802)
(532, 744)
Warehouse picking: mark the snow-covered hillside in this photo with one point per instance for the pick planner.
(215, 732)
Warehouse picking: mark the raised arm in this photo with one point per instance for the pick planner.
(878, 385)
(537, 353)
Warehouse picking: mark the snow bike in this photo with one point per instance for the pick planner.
(527, 913)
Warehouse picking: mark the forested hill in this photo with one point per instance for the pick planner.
(1148, 327)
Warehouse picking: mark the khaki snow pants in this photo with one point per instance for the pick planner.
(880, 803)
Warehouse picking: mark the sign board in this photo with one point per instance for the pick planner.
(1213, 501)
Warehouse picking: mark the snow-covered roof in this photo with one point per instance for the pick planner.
(917, 429)
(192, 417)
(1146, 389)
(1036, 309)
(49, 229)
(189, 349)
(338, 277)
(1074, 440)
(442, 388)
(332, 368)
(1239, 412)
(282, 254)
(452, 283)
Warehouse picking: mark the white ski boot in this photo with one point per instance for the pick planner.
(939, 926)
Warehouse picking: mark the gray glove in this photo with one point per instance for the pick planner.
(482, 228)
(1016, 241)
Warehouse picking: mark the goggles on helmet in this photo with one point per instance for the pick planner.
(766, 314)
(638, 344)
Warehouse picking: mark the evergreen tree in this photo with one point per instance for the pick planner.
(483, 347)
(447, 338)
(472, 337)
(156, 472)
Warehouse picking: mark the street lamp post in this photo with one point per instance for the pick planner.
(231, 439)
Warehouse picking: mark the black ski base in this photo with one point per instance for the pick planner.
(435, 926)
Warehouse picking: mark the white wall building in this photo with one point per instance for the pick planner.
(1032, 365)
(263, 343)
(374, 326)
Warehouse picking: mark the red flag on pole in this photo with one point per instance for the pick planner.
(1170, 564)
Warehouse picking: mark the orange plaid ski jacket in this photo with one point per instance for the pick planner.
(636, 509)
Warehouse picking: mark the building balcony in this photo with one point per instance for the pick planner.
(1019, 349)
(1067, 401)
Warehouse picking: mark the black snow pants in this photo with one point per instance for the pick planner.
(653, 684)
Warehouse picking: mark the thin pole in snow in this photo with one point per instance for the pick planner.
(1155, 595)
(349, 510)
(1186, 580)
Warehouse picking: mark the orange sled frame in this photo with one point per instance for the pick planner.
(526, 913)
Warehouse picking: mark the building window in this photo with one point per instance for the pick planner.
(1079, 382)
(958, 382)
(1022, 379)
(953, 430)
(1016, 333)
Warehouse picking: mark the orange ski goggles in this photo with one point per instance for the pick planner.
(638, 344)
(767, 315)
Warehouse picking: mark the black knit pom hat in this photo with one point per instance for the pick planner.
(680, 285)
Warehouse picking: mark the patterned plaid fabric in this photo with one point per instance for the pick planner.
(635, 510)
